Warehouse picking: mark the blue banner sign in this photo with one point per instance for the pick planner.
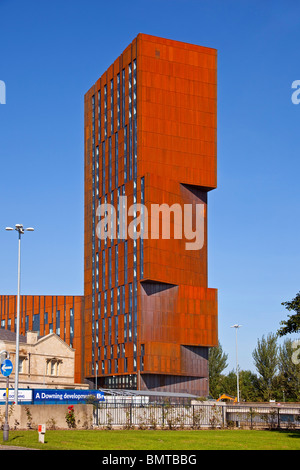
(57, 396)
(24, 395)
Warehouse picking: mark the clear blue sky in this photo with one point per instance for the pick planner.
(53, 51)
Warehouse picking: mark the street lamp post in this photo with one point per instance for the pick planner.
(236, 326)
(20, 229)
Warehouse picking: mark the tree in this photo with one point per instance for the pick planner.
(229, 384)
(289, 375)
(292, 325)
(266, 362)
(247, 382)
(217, 361)
(248, 386)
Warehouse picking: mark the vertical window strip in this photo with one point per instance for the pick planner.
(109, 268)
(97, 170)
(142, 228)
(135, 148)
(135, 308)
(125, 327)
(116, 330)
(71, 325)
(111, 301)
(123, 299)
(97, 331)
(99, 116)
(106, 214)
(135, 268)
(130, 297)
(123, 97)
(99, 219)
(130, 151)
(58, 322)
(105, 304)
(125, 154)
(130, 293)
(134, 89)
(97, 271)
(105, 111)
(35, 323)
(103, 168)
(116, 159)
(130, 120)
(112, 106)
(118, 215)
(123, 212)
(112, 218)
(130, 91)
(118, 101)
(129, 326)
(109, 330)
(93, 226)
(93, 119)
(118, 300)
(109, 165)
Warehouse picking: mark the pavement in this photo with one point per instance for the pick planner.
(3, 447)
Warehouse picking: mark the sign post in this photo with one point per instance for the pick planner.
(42, 432)
(6, 425)
(6, 369)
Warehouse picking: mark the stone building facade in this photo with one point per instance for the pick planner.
(45, 361)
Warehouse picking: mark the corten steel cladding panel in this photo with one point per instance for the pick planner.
(39, 313)
(176, 156)
(177, 95)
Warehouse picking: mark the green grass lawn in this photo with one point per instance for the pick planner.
(157, 440)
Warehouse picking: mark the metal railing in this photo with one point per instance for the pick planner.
(152, 416)
(194, 416)
(263, 417)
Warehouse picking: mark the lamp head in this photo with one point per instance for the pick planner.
(19, 228)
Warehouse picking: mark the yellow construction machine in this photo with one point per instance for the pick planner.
(226, 397)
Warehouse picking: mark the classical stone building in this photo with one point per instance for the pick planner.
(45, 361)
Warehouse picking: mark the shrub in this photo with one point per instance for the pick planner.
(70, 417)
(29, 417)
(51, 424)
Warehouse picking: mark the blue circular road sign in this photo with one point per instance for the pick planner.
(6, 367)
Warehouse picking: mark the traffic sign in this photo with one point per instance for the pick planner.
(6, 367)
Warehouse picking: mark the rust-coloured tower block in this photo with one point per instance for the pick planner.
(150, 135)
(147, 317)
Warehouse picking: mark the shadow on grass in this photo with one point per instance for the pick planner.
(293, 433)
(16, 437)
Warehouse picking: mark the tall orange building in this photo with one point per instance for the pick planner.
(150, 137)
(147, 317)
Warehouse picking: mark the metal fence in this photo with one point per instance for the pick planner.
(195, 416)
(263, 417)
